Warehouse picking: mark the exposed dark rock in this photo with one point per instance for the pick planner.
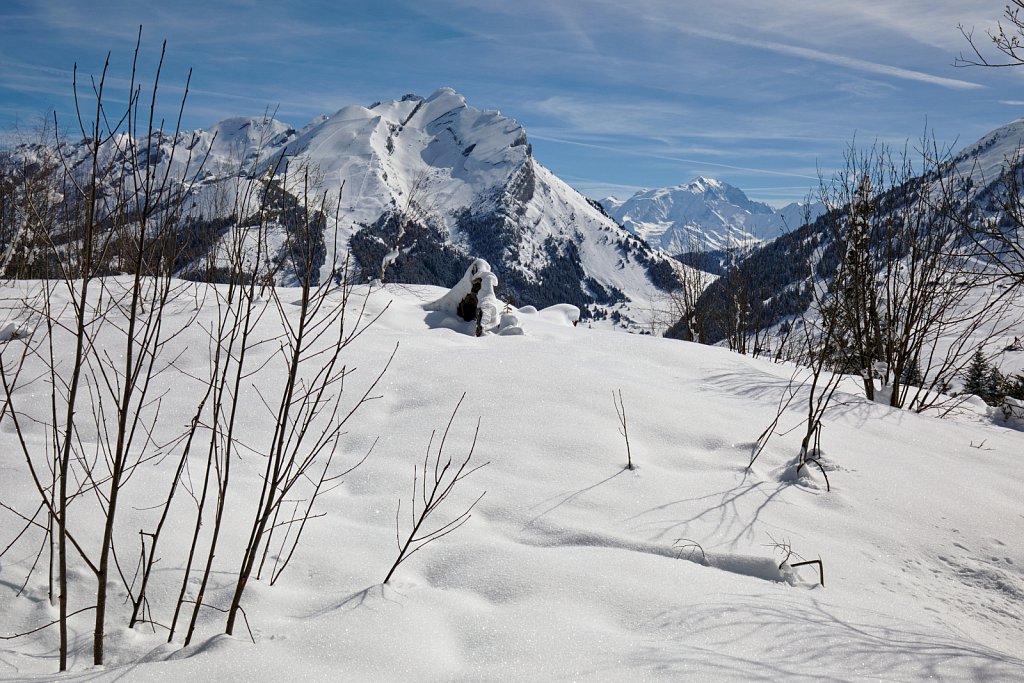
(467, 309)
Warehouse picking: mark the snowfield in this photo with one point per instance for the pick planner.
(571, 566)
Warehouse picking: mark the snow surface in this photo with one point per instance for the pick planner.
(571, 566)
(986, 159)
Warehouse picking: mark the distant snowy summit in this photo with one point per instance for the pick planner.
(716, 215)
(704, 213)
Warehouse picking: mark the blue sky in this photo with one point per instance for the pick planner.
(614, 95)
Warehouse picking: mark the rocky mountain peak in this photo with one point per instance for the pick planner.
(703, 213)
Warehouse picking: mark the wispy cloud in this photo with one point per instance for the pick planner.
(629, 94)
(610, 116)
(626, 151)
(823, 57)
(867, 88)
(600, 189)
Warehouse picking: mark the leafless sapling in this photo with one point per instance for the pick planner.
(1007, 39)
(431, 487)
(309, 413)
(620, 412)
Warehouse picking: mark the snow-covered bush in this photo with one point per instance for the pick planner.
(1009, 411)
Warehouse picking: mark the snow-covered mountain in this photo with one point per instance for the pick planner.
(422, 185)
(428, 183)
(704, 212)
(986, 159)
(239, 142)
(974, 182)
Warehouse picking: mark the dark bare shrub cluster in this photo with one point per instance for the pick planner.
(105, 226)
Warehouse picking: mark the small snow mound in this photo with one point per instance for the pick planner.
(510, 325)
(563, 313)
(1010, 412)
(8, 332)
(754, 566)
(975, 402)
(812, 473)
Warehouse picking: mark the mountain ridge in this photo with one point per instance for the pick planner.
(418, 187)
(704, 214)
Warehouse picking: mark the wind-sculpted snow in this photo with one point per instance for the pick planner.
(755, 566)
(472, 306)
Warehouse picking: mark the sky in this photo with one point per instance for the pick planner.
(615, 96)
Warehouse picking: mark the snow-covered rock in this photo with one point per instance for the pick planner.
(8, 331)
(1010, 412)
(473, 302)
(472, 299)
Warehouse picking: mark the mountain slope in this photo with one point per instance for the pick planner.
(704, 212)
(986, 159)
(774, 276)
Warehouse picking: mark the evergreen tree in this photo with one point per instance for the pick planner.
(987, 382)
(994, 387)
(978, 373)
(912, 375)
(859, 334)
(1013, 387)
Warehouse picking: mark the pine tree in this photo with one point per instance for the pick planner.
(1013, 387)
(987, 382)
(994, 389)
(912, 375)
(978, 373)
(859, 337)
